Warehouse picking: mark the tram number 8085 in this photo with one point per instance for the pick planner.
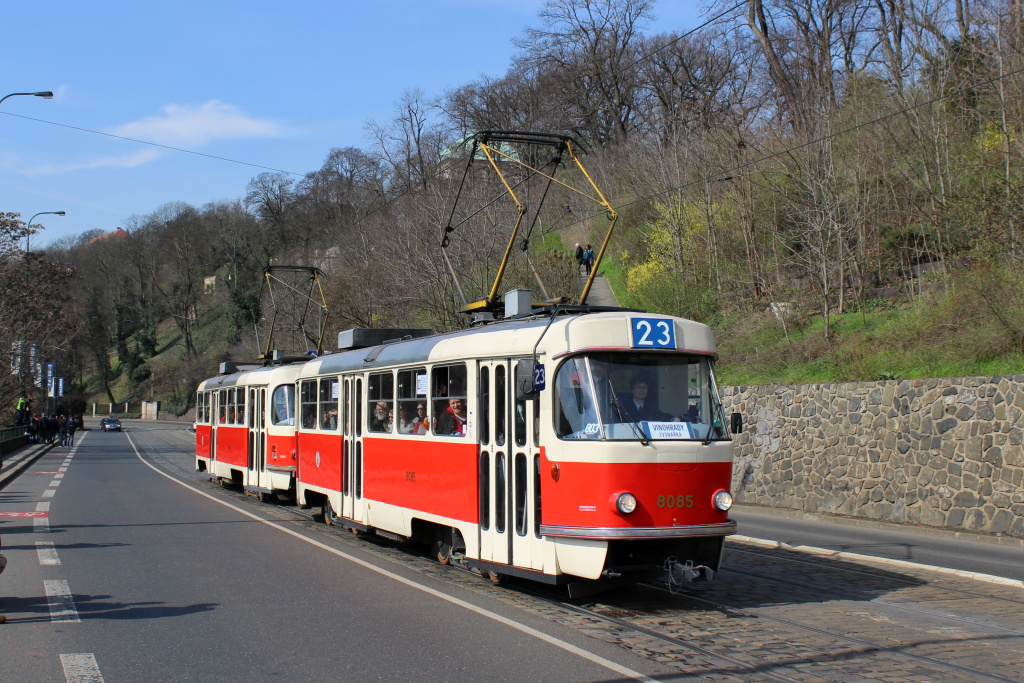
(675, 501)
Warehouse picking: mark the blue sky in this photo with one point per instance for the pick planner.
(268, 83)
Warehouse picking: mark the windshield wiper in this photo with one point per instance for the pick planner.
(637, 429)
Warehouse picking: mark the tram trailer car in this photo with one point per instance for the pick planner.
(245, 428)
(519, 447)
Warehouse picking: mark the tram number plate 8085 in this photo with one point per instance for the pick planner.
(680, 501)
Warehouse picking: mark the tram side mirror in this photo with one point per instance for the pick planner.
(525, 386)
(736, 423)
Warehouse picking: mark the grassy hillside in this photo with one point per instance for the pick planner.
(973, 327)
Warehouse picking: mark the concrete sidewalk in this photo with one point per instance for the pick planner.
(20, 460)
(600, 293)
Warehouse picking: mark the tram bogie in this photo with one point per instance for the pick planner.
(559, 448)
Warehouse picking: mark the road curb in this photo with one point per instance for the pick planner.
(857, 557)
(20, 460)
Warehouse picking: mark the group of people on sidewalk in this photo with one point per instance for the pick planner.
(58, 429)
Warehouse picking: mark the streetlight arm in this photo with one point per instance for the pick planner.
(28, 226)
(45, 94)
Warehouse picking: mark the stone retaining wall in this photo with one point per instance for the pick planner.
(940, 452)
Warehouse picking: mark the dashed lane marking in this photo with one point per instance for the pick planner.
(55, 482)
(42, 524)
(81, 668)
(47, 553)
(62, 605)
(48, 493)
(539, 635)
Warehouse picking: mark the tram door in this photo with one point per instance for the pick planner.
(257, 461)
(493, 461)
(211, 401)
(215, 400)
(523, 478)
(352, 504)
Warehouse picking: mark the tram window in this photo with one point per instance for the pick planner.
(412, 401)
(357, 401)
(499, 492)
(307, 403)
(222, 416)
(485, 491)
(252, 409)
(200, 400)
(380, 399)
(282, 406)
(345, 412)
(451, 409)
(520, 414)
(359, 469)
(485, 405)
(536, 421)
(239, 406)
(521, 486)
(499, 405)
(329, 403)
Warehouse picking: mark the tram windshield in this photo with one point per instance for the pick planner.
(638, 397)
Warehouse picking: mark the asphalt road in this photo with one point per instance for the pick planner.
(140, 578)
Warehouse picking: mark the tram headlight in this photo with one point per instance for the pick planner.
(722, 500)
(625, 503)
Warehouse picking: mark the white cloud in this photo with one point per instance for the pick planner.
(198, 124)
(130, 160)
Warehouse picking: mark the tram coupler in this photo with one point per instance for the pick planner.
(679, 573)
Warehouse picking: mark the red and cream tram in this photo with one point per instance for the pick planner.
(558, 447)
(245, 428)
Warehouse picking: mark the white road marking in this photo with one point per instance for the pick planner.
(59, 475)
(62, 605)
(47, 553)
(540, 635)
(856, 557)
(81, 668)
(55, 482)
(41, 524)
(62, 469)
(48, 493)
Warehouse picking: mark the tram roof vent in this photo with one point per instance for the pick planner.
(518, 302)
(482, 318)
(364, 337)
(231, 367)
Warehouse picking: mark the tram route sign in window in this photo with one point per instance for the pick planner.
(653, 333)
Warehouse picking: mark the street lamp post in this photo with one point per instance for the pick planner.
(28, 228)
(28, 231)
(45, 94)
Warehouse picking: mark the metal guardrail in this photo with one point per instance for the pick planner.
(8, 433)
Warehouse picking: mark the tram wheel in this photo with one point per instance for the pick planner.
(443, 545)
(263, 496)
(329, 516)
(496, 578)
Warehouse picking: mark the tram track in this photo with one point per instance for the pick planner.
(690, 630)
(866, 646)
